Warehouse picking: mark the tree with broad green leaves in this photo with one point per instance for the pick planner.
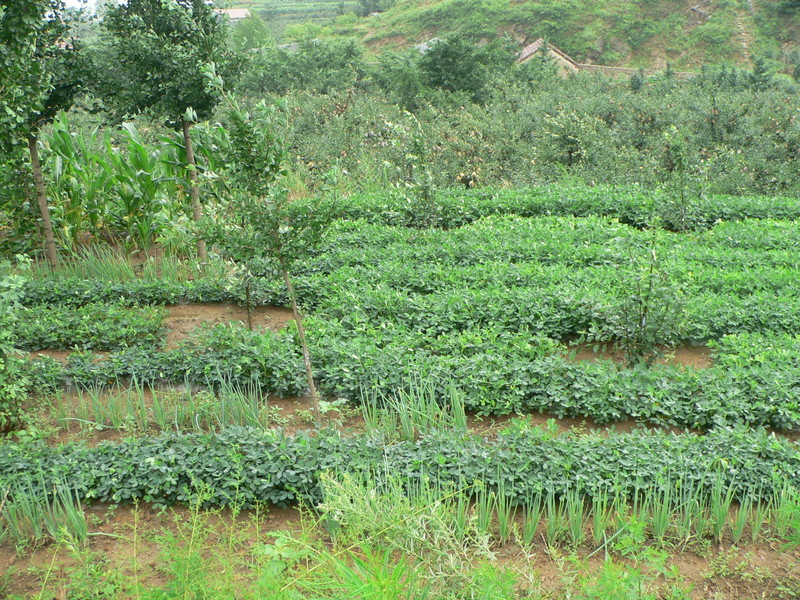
(39, 76)
(152, 60)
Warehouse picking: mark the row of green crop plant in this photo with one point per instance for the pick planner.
(572, 311)
(89, 327)
(573, 241)
(632, 205)
(562, 277)
(554, 276)
(138, 409)
(361, 506)
(76, 292)
(497, 372)
(212, 356)
(502, 373)
(243, 466)
(106, 264)
(556, 300)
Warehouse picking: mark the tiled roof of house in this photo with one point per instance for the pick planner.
(530, 50)
(533, 48)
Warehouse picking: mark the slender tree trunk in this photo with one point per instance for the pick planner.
(41, 194)
(197, 211)
(248, 301)
(306, 355)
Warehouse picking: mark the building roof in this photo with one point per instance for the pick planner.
(531, 49)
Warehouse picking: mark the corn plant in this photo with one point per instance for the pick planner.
(138, 179)
(81, 181)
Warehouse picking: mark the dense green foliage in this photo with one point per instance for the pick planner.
(12, 382)
(533, 128)
(722, 132)
(210, 357)
(154, 55)
(36, 71)
(90, 327)
(498, 372)
(79, 292)
(478, 303)
(314, 66)
(633, 205)
(244, 466)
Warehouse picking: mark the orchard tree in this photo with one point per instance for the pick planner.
(39, 76)
(251, 33)
(263, 232)
(152, 60)
(456, 65)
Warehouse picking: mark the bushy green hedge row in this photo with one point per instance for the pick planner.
(245, 466)
(553, 276)
(499, 373)
(632, 205)
(502, 373)
(213, 356)
(89, 327)
(79, 292)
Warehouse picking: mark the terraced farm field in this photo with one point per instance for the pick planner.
(545, 393)
(293, 11)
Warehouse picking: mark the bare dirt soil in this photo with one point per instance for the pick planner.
(184, 318)
(695, 357)
(130, 539)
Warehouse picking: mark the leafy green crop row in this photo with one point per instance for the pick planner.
(633, 205)
(245, 466)
(79, 292)
(499, 373)
(552, 276)
(89, 327)
(577, 242)
(212, 356)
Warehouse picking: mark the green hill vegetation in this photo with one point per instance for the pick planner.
(648, 33)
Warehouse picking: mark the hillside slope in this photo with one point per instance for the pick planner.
(649, 33)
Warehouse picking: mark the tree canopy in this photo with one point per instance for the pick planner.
(153, 55)
(37, 68)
